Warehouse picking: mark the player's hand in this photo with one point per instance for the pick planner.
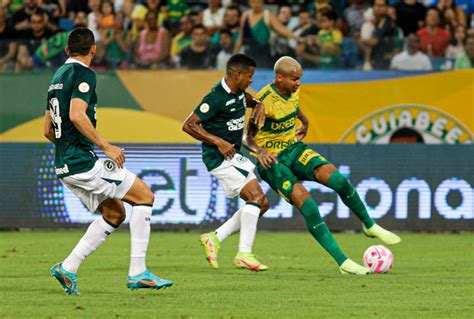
(266, 158)
(226, 149)
(116, 154)
(258, 115)
(301, 131)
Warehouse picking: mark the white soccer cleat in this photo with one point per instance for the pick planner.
(386, 236)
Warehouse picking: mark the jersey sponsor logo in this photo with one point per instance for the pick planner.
(280, 145)
(204, 108)
(241, 96)
(62, 170)
(413, 123)
(58, 86)
(275, 126)
(307, 156)
(109, 165)
(229, 102)
(232, 109)
(83, 87)
(236, 124)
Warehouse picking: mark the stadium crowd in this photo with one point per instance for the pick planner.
(176, 34)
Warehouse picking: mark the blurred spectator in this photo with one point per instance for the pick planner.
(434, 40)
(200, 54)
(176, 10)
(354, 16)
(54, 8)
(451, 14)
(466, 60)
(411, 15)
(227, 46)
(75, 6)
(213, 16)
(94, 18)
(329, 41)
(280, 44)
(8, 45)
(231, 22)
(11, 5)
(51, 52)
(412, 59)
(117, 42)
(31, 40)
(20, 19)
(182, 39)
(305, 27)
(456, 48)
(153, 44)
(254, 38)
(107, 15)
(379, 41)
(399, 39)
(140, 11)
(307, 51)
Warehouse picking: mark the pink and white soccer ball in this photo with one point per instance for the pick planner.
(378, 258)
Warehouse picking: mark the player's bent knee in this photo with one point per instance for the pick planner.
(264, 206)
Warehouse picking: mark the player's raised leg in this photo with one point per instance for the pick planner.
(141, 198)
(328, 175)
(308, 207)
(255, 203)
(113, 214)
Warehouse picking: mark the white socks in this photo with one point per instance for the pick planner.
(140, 236)
(248, 227)
(231, 226)
(95, 235)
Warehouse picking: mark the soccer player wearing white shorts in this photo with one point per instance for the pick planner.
(218, 122)
(102, 185)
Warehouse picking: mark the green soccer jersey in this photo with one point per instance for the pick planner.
(74, 152)
(223, 115)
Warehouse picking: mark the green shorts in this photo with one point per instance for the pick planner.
(295, 163)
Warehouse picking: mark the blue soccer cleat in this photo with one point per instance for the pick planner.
(67, 279)
(147, 280)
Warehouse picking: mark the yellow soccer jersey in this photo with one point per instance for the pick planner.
(280, 125)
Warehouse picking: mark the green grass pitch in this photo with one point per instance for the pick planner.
(432, 278)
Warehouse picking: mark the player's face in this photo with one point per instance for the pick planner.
(292, 81)
(245, 78)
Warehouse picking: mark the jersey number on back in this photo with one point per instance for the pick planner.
(55, 116)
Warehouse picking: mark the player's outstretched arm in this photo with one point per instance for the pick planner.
(302, 129)
(48, 127)
(258, 112)
(263, 157)
(192, 126)
(78, 117)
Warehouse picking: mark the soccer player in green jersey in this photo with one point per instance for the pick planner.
(283, 161)
(218, 121)
(102, 185)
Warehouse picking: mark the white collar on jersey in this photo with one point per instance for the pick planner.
(72, 60)
(225, 86)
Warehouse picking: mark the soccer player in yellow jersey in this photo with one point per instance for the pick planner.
(283, 160)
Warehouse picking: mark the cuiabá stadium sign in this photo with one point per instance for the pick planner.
(423, 123)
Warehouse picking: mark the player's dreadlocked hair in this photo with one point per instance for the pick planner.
(80, 41)
(239, 62)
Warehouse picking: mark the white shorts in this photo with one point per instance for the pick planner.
(105, 180)
(234, 174)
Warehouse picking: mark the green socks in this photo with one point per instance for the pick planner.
(317, 227)
(350, 197)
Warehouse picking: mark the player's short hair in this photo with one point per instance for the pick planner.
(239, 62)
(80, 41)
(285, 64)
(226, 31)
